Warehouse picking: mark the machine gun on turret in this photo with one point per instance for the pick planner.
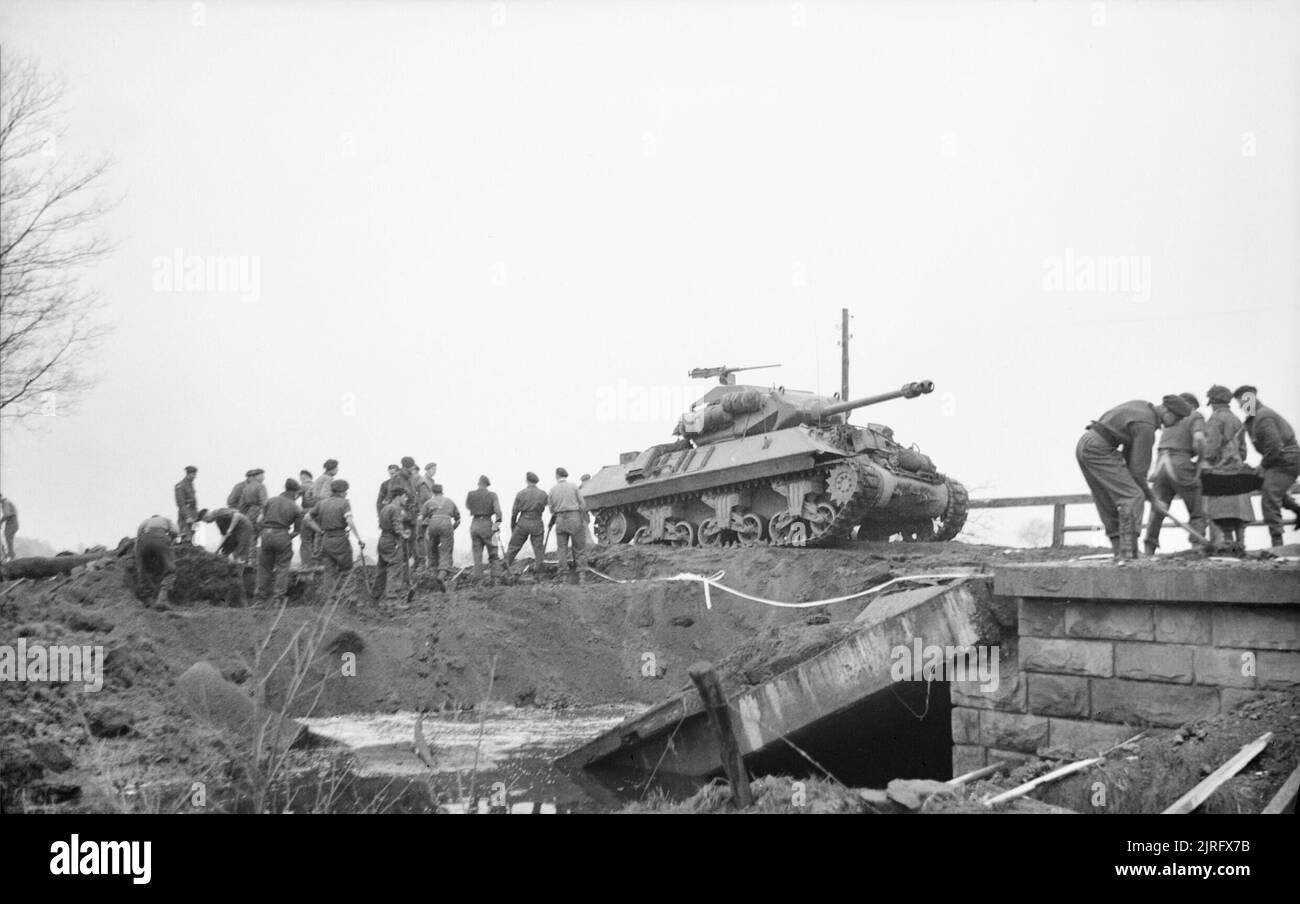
(724, 373)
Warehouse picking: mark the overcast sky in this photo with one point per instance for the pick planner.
(498, 235)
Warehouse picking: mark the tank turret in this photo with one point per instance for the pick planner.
(730, 411)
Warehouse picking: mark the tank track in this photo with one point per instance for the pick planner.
(839, 530)
(954, 517)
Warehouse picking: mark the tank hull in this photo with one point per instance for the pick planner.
(799, 486)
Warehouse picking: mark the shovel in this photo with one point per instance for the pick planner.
(1161, 510)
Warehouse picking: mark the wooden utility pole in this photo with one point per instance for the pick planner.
(715, 704)
(844, 353)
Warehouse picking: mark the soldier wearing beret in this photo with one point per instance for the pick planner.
(526, 522)
(1225, 447)
(1279, 463)
(187, 504)
(331, 520)
(1114, 455)
(485, 518)
(1177, 472)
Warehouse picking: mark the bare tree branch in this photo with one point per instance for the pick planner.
(49, 210)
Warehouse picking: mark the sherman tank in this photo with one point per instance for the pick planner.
(759, 465)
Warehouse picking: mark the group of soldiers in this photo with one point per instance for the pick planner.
(417, 525)
(1115, 455)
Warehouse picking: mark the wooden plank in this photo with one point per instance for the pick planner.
(1058, 526)
(1195, 797)
(715, 704)
(1022, 790)
(1027, 501)
(1284, 800)
(977, 774)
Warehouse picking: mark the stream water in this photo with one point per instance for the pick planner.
(505, 754)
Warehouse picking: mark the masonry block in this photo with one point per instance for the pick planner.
(965, 725)
(1225, 667)
(1004, 690)
(1041, 617)
(967, 758)
(1278, 671)
(1182, 624)
(1086, 738)
(1232, 697)
(1110, 621)
(1058, 695)
(1068, 657)
(1154, 661)
(1151, 702)
(1259, 627)
(1012, 758)
(1012, 731)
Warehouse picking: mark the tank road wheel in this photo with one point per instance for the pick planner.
(779, 528)
(954, 517)
(680, 533)
(710, 533)
(612, 528)
(750, 532)
(844, 483)
(821, 520)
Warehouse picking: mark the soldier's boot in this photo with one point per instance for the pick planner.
(1275, 539)
(1150, 548)
(164, 599)
(1114, 549)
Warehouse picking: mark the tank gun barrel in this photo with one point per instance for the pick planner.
(908, 391)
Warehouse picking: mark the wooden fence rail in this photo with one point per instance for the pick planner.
(1058, 504)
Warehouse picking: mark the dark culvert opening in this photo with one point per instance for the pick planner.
(905, 731)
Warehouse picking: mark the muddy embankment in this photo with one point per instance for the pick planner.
(531, 644)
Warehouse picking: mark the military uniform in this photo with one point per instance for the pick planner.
(306, 533)
(1279, 465)
(441, 519)
(526, 524)
(1225, 446)
(9, 514)
(237, 534)
(484, 508)
(187, 508)
(282, 518)
(1177, 475)
(155, 565)
(335, 551)
(1117, 479)
(393, 532)
(567, 507)
(423, 493)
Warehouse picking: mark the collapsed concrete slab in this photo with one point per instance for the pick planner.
(853, 682)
